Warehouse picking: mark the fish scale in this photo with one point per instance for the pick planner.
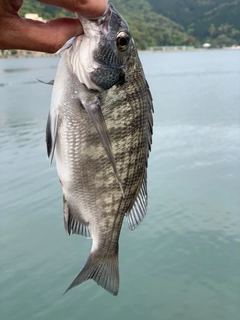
(100, 128)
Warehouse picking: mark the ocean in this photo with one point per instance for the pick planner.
(183, 260)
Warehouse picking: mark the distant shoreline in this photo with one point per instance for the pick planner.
(16, 54)
(189, 50)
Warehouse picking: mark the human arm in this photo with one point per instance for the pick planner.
(27, 34)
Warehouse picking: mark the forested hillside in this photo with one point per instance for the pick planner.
(150, 28)
(168, 22)
(216, 21)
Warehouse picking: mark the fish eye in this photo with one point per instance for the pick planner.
(122, 41)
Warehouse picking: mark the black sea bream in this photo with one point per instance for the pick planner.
(100, 131)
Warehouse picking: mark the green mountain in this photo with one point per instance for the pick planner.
(168, 22)
(216, 21)
(150, 28)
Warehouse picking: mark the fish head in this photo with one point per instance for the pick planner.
(103, 50)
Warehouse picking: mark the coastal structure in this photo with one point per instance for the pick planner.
(206, 45)
(34, 16)
(170, 48)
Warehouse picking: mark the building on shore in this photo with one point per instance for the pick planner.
(170, 48)
(206, 45)
(34, 16)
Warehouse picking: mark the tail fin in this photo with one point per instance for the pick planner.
(103, 270)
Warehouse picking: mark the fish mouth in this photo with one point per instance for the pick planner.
(100, 24)
(105, 19)
(103, 66)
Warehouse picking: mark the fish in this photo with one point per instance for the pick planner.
(99, 130)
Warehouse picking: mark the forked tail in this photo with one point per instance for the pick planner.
(102, 269)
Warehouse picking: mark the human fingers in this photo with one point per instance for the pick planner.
(10, 6)
(16, 4)
(33, 35)
(89, 8)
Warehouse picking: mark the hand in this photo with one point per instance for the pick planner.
(27, 34)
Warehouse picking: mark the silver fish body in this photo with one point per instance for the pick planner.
(100, 131)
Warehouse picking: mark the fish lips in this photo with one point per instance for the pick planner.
(92, 25)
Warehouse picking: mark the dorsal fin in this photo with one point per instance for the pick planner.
(139, 209)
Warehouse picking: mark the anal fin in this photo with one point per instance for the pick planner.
(73, 225)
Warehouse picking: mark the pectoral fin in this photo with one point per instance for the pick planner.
(51, 82)
(95, 113)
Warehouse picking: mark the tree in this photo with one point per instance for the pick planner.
(212, 30)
